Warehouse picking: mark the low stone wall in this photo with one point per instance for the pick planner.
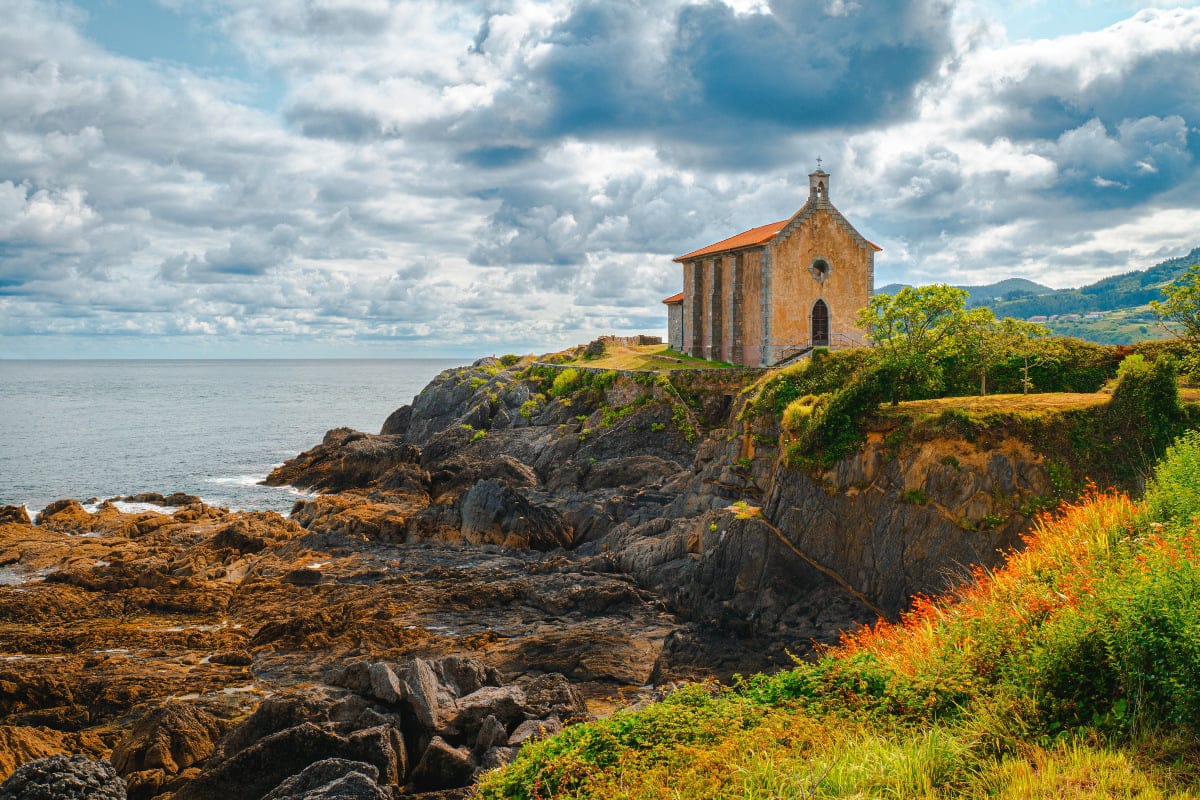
(734, 374)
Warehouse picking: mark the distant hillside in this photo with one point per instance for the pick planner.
(1020, 298)
(1122, 298)
(1008, 289)
(1128, 290)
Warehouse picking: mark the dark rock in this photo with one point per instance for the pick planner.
(332, 779)
(534, 729)
(175, 499)
(493, 513)
(384, 685)
(355, 676)
(505, 703)
(635, 470)
(397, 422)
(463, 675)
(273, 715)
(383, 746)
(442, 767)
(553, 695)
(497, 757)
(491, 733)
(344, 459)
(427, 698)
(253, 772)
(64, 778)
(303, 576)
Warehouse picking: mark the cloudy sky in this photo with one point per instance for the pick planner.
(234, 178)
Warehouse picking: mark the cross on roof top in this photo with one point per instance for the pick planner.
(818, 162)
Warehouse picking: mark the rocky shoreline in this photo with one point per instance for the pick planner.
(500, 560)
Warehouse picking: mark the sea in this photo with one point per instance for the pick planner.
(102, 429)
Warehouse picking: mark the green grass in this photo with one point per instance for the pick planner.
(1071, 672)
(647, 358)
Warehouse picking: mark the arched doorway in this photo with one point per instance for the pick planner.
(820, 324)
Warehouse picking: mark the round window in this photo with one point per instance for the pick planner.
(819, 269)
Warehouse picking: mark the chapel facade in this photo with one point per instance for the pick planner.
(778, 290)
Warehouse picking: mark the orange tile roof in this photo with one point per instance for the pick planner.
(755, 236)
(675, 298)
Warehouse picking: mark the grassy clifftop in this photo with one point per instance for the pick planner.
(1073, 671)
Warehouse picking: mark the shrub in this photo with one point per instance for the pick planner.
(565, 382)
(531, 406)
(605, 379)
(1173, 495)
(835, 431)
(819, 375)
(1145, 412)
(799, 411)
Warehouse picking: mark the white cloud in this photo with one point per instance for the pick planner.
(413, 188)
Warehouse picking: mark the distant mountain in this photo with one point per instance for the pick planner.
(1007, 289)
(1127, 290)
(1020, 298)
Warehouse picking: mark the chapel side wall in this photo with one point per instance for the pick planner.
(675, 325)
(794, 290)
(751, 353)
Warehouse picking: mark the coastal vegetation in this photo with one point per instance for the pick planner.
(1070, 671)
(1097, 412)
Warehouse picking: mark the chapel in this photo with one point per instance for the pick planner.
(776, 291)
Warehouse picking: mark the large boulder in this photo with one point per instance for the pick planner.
(347, 459)
(493, 513)
(64, 777)
(258, 769)
(429, 700)
(443, 767)
(397, 422)
(172, 738)
(504, 703)
(332, 779)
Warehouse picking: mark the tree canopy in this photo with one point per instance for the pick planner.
(1181, 304)
(911, 330)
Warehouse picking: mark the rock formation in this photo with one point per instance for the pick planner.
(494, 563)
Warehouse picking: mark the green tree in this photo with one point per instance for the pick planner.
(987, 343)
(1179, 312)
(1025, 343)
(911, 330)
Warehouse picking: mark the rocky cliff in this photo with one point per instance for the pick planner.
(513, 550)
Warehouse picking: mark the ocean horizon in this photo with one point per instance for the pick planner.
(212, 427)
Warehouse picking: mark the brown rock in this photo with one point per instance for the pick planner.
(16, 514)
(171, 738)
